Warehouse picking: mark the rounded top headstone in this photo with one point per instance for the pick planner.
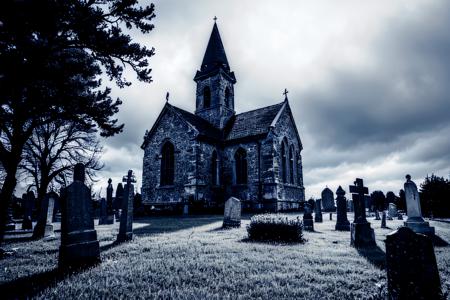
(408, 177)
(79, 172)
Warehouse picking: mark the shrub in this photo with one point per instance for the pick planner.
(277, 228)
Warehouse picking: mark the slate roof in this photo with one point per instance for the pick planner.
(204, 127)
(251, 123)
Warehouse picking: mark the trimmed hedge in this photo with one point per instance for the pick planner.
(276, 228)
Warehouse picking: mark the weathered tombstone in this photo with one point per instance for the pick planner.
(118, 201)
(43, 225)
(392, 210)
(411, 267)
(328, 200)
(318, 211)
(49, 233)
(102, 217)
(126, 216)
(383, 219)
(232, 213)
(79, 244)
(415, 220)
(342, 222)
(109, 203)
(350, 206)
(308, 223)
(28, 200)
(362, 235)
(377, 215)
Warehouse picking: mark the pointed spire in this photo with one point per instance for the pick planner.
(215, 53)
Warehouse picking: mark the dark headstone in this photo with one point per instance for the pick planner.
(109, 203)
(342, 222)
(118, 201)
(328, 200)
(383, 219)
(411, 267)
(102, 217)
(44, 227)
(308, 223)
(318, 211)
(331, 216)
(126, 216)
(377, 215)
(232, 213)
(28, 201)
(362, 235)
(79, 244)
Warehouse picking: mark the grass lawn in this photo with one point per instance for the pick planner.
(186, 258)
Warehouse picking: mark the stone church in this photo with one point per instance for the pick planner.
(202, 158)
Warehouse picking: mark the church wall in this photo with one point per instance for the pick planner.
(288, 194)
(175, 130)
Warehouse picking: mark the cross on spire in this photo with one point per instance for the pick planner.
(215, 19)
(285, 94)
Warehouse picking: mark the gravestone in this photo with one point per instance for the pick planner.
(109, 203)
(79, 244)
(342, 222)
(399, 216)
(308, 223)
(383, 219)
(44, 227)
(377, 215)
(28, 200)
(415, 220)
(350, 205)
(318, 211)
(392, 210)
(118, 201)
(102, 217)
(328, 200)
(331, 216)
(51, 199)
(10, 224)
(411, 267)
(232, 213)
(186, 209)
(362, 235)
(126, 216)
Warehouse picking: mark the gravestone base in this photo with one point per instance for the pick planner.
(362, 235)
(343, 226)
(308, 224)
(124, 237)
(109, 219)
(418, 225)
(229, 223)
(81, 250)
(318, 218)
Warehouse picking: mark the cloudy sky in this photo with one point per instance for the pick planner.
(369, 82)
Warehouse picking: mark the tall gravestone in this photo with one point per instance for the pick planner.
(411, 267)
(109, 203)
(118, 201)
(362, 235)
(126, 216)
(44, 227)
(392, 210)
(318, 211)
(415, 220)
(48, 232)
(79, 244)
(328, 200)
(342, 222)
(308, 223)
(232, 213)
(383, 219)
(28, 203)
(102, 217)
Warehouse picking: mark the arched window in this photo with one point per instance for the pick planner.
(283, 162)
(214, 168)
(206, 97)
(291, 165)
(227, 97)
(167, 164)
(240, 158)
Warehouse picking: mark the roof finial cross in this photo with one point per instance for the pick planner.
(215, 19)
(167, 97)
(285, 94)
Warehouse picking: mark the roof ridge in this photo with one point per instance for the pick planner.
(281, 103)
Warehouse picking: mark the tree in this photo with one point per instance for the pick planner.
(51, 152)
(435, 196)
(49, 52)
(378, 200)
(390, 197)
(401, 205)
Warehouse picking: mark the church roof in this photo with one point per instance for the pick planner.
(204, 127)
(252, 123)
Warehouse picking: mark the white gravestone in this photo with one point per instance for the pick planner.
(232, 213)
(415, 220)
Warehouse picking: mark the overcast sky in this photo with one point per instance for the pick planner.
(369, 82)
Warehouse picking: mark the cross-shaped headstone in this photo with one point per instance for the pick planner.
(360, 208)
(129, 178)
(285, 93)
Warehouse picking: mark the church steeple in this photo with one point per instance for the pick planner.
(215, 92)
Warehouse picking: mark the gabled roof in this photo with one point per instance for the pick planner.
(252, 123)
(203, 127)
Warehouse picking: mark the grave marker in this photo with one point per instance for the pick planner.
(126, 216)
(342, 222)
(318, 211)
(362, 235)
(232, 213)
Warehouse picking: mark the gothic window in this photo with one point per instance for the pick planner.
(227, 97)
(240, 159)
(206, 97)
(167, 164)
(283, 161)
(215, 168)
(291, 165)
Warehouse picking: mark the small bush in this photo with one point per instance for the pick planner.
(271, 227)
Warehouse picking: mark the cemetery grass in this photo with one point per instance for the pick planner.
(193, 258)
